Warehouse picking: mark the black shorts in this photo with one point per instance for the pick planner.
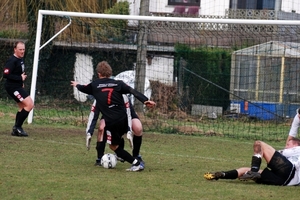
(18, 94)
(278, 172)
(115, 132)
(132, 113)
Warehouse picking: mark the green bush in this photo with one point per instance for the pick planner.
(13, 34)
(114, 30)
(206, 75)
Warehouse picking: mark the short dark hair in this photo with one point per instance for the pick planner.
(296, 141)
(18, 42)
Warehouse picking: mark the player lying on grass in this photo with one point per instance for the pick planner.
(135, 127)
(108, 94)
(282, 166)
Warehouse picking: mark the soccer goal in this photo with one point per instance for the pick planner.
(209, 75)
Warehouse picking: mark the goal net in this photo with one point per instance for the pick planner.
(209, 75)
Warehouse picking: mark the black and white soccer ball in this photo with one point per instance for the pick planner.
(109, 161)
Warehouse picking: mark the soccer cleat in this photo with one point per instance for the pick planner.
(98, 162)
(250, 175)
(139, 158)
(21, 132)
(213, 176)
(88, 141)
(134, 168)
(18, 131)
(15, 134)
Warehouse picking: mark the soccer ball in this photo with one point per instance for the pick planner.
(109, 161)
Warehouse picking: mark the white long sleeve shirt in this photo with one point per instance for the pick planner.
(295, 126)
(293, 155)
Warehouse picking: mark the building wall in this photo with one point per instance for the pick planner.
(291, 6)
(161, 69)
(207, 7)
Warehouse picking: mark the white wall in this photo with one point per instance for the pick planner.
(134, 7)
(288, 6)
(161, 70)
(214, 7)
(83, 73)
(160, 6)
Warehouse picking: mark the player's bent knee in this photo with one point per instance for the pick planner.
(28, 103)
(113, 147)
(137, 127)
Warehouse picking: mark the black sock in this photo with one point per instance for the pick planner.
(232, 174)
(122, 143)
(125, 155)
(100, 147)
(137, 142)
(21, 117)
(17, 118)
(255, 163)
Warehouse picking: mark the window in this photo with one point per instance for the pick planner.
(253, 4)
(184, 2)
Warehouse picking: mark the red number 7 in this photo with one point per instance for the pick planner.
(109, 90)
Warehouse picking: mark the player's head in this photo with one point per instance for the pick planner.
(104, 70)
(19, 49)
(292, 143)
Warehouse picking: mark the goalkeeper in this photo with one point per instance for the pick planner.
(136, 128)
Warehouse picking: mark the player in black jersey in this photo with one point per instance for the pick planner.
(135, 126)
(108, 94)
(14, 72)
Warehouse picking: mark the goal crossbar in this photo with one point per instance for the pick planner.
(176, 19)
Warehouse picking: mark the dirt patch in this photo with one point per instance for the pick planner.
(189, 130)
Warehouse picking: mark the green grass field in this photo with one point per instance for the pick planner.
(53, 163)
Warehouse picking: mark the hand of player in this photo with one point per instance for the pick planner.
(150, 104)
(74, 83)
(130, 139)
(24, 76)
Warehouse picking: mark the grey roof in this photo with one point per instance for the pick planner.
(272, 48)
